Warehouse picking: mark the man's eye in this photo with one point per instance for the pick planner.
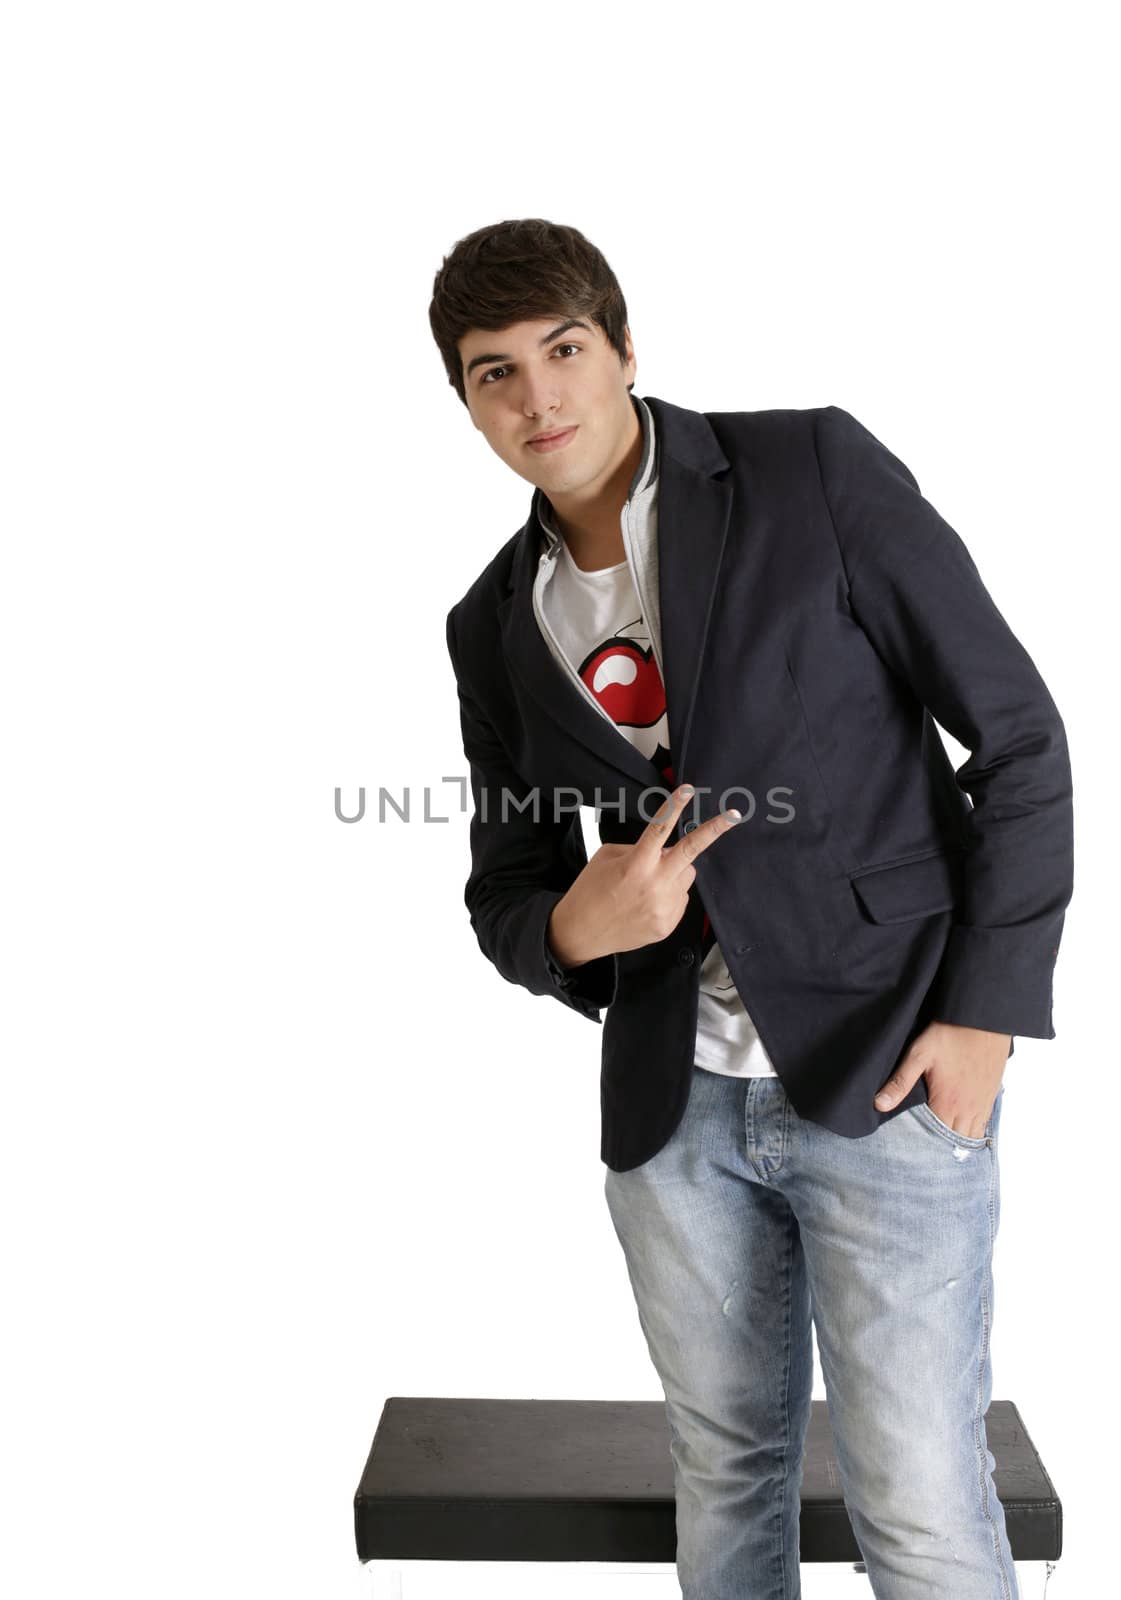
(488, 375)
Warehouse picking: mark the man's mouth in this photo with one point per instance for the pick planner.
(551, 441)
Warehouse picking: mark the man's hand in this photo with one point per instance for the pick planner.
(631, 895)
(963, 1068)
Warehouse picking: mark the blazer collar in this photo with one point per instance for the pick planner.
(694, 502)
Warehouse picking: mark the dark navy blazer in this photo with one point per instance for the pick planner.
(817, 614)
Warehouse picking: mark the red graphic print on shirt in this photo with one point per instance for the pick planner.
(622, 674)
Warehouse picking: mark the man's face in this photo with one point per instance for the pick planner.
(542, 377)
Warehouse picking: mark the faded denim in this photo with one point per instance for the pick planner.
(748, 1225)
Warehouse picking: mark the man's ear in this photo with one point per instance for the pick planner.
(630, 352)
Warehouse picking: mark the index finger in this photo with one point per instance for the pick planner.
(686, 850)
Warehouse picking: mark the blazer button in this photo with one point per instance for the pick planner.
(685, 957)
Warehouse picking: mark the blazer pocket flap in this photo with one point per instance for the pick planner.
(907, 889)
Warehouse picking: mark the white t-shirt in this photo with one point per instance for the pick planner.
(597, 620)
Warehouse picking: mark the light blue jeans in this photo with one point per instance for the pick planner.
(749, 1223)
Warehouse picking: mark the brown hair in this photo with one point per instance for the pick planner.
(520, 271)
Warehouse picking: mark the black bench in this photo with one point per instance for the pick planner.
(592, 1480)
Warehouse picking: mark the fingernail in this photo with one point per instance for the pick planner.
(884, 1101)
(686, 788)
(735, 816)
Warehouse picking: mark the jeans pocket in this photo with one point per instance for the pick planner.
(935, 1122)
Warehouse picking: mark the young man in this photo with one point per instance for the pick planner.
(809, 1010)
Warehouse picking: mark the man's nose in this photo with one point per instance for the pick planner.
(539, 397)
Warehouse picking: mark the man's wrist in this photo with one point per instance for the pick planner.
(557, 938)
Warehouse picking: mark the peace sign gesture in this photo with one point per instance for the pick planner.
(631, 895)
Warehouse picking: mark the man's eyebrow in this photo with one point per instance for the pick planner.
(554, 333)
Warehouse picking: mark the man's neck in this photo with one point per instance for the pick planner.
(592, 530)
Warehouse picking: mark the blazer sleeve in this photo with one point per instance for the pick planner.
(523, 860)
(916, 592)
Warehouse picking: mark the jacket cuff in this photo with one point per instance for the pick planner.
(587, 988)
(990, 979)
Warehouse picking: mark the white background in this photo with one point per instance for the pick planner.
(278, 1143)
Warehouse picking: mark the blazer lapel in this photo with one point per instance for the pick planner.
(693, 510)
